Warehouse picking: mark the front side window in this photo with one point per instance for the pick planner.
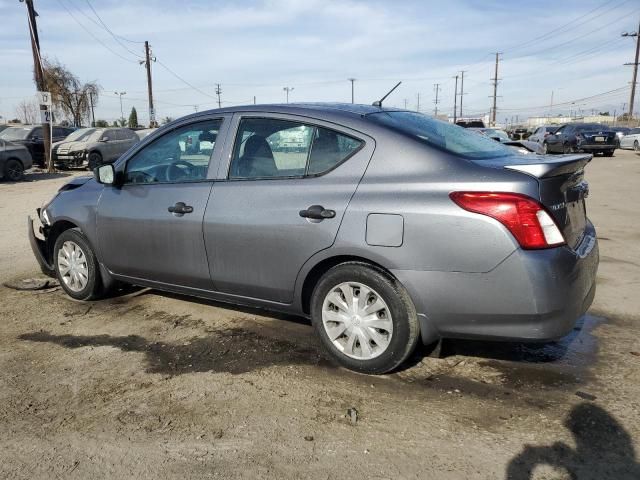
(181, 155)
(272, 148)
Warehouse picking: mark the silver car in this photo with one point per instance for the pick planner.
(631, 141)
(91, 147)
(386, 228)
(542, 132)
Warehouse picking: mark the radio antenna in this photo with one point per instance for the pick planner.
(378, 103)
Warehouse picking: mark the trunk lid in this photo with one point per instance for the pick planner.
(562, 188)
(598, 137)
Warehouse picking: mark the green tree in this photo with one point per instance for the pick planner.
(166, 120)
(133, 118)
(102, 123)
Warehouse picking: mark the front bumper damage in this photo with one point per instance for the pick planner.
(40, 248)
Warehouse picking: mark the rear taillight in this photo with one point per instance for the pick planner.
(524, 217)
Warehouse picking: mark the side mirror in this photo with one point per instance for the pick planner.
(105, 174)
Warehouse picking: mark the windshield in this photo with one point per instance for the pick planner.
(79, 135)
(442, 135)
(491, 132)
(15, 133)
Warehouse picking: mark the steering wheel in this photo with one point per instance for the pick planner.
(174, 173)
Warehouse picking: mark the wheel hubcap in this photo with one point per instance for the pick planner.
(72, 265)
(357, 320)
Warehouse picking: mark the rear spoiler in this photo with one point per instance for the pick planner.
(544, 166)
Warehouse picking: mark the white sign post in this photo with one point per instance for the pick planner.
(44, 98)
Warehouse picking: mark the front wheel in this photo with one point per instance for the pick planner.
(364, 318)
(76, 266)
(13, 170)
(95, 160)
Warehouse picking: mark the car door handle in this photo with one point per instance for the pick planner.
(180, 208)
(317, 212)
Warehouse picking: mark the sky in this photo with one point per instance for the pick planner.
(572, 50)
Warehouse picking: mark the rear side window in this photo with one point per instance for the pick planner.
(272, 148)
(442, 135)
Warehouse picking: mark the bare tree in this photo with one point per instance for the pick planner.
(69, 95)
(27, 111)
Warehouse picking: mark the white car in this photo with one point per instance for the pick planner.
(631, 141)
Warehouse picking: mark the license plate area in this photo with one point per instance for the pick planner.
(599, 139)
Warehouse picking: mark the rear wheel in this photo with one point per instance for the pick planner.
(13, 170)
(364, 318)
(95, 160)
(76, 266)
(566, 148)
(608, 154)
(636, 146)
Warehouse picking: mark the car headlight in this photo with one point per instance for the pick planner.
(44, 217)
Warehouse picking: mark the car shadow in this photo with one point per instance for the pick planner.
(604, 450)
(233, 350)
(30, 176)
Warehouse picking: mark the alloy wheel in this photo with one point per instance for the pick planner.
(636, 146)
(357, 320)
(72, 266)
(14, 170)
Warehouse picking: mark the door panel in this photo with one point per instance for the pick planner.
(257, 241)
(141, 233)
(140, 238)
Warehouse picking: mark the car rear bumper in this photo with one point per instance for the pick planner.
(603, 147)
(533, 295)
(39, 248)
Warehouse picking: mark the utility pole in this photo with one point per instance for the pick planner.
(461, 90)
(93, 115)
(495, 91)
(635, 70)
(352, 80)
(406, 101)
(40, 83)
(288, 89)
(218, 92)
(455, 101)
(418, 105)
(120, 94)
(147, 64)
(436, 87)
(254, 99)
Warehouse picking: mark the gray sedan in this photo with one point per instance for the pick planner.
(384, 227)
(14, 160)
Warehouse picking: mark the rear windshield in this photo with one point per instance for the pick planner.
(591, 126)
(442, 135)
(551, 129)
(15, 133)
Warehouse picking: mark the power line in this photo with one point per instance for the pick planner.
(93, 36)
(183, 80)
(115, 37)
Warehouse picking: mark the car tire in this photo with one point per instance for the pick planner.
(607, 154)
(76, 266)
(567, 148)
(396, 331)
(636, 146)
(94, 160)
(13, 170)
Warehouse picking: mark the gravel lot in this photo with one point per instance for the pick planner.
(151, 385)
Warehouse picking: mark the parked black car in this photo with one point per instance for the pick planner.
(31, 136)
(581, 137)
(14, 160)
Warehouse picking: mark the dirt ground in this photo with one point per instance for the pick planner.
(151, 385)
